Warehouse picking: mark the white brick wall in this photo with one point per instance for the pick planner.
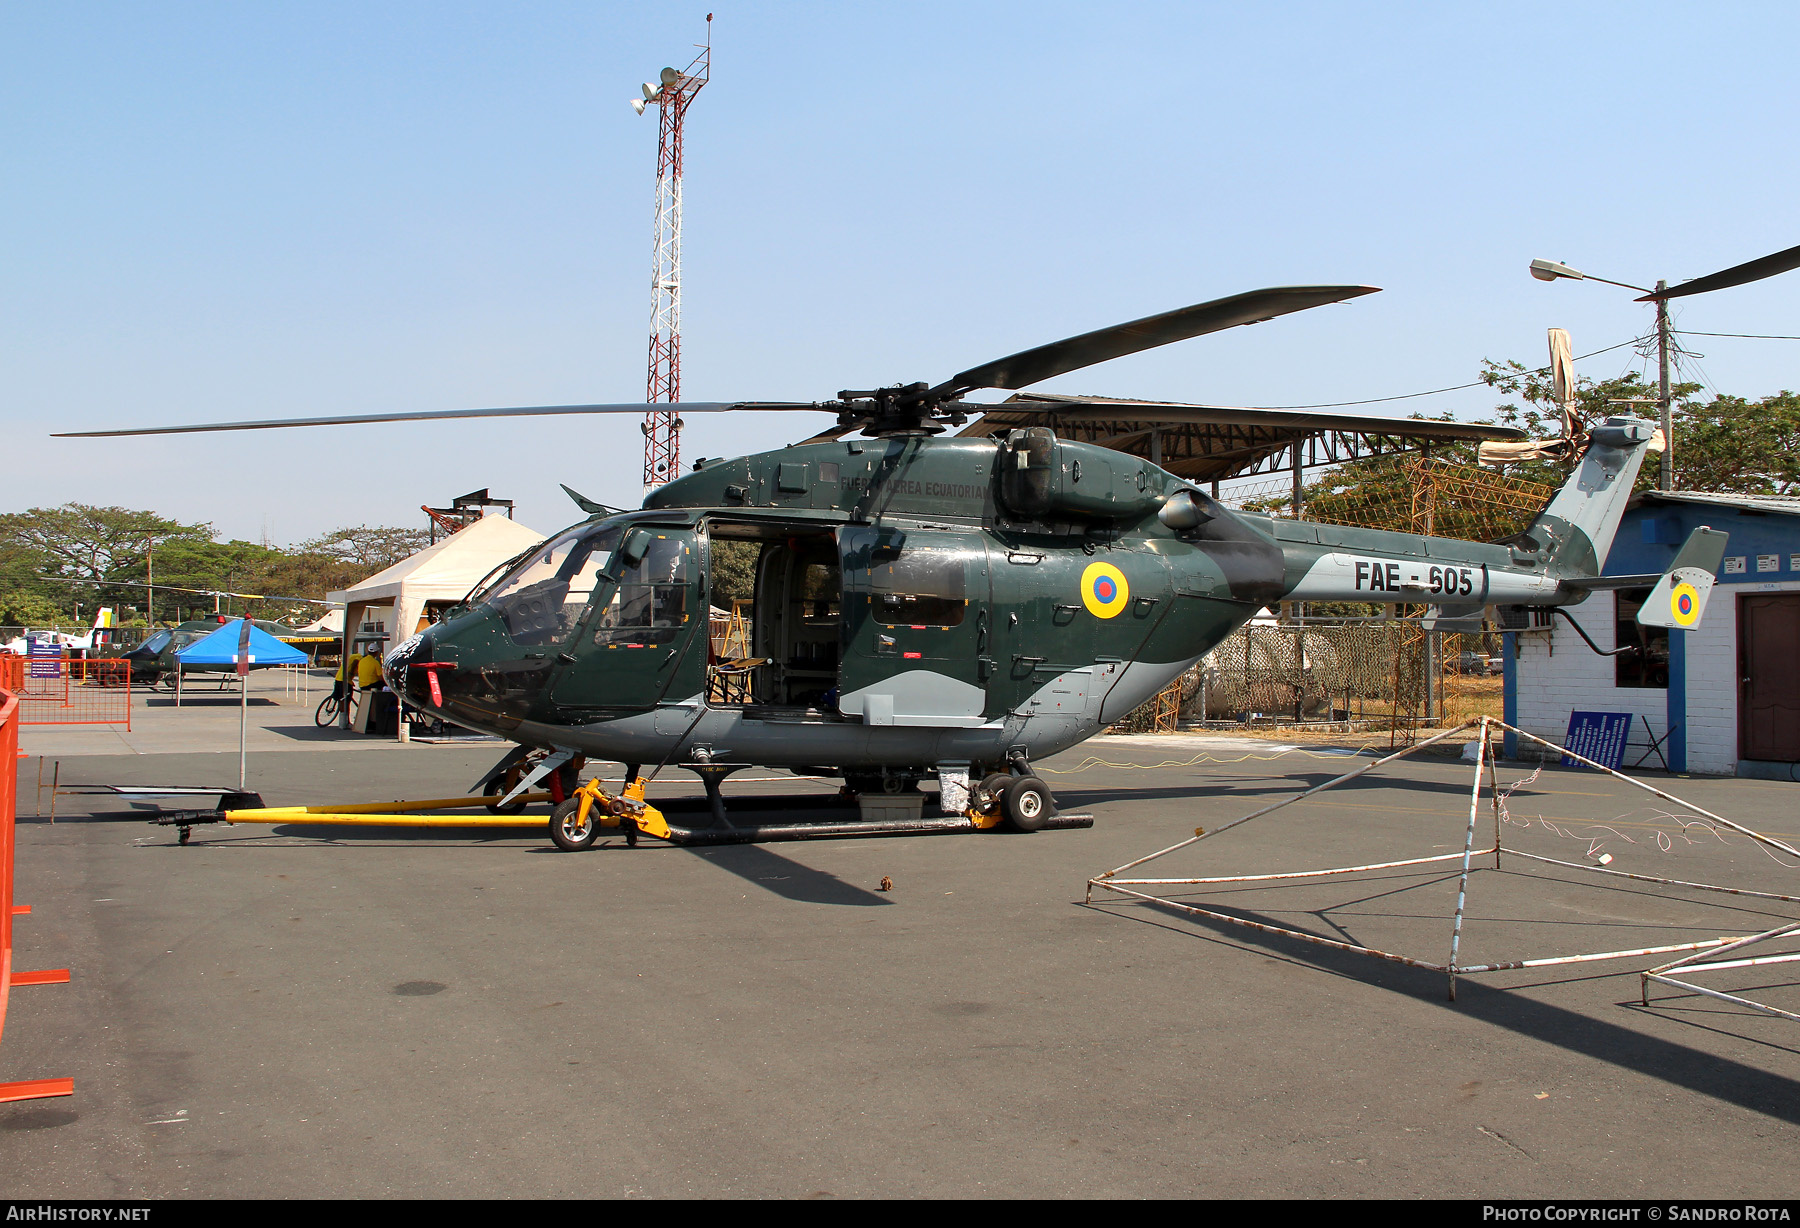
(1558, 675)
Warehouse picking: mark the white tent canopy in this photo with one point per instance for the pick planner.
(329, 623)
(438, 575)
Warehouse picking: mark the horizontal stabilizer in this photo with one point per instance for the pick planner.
(1679, 598)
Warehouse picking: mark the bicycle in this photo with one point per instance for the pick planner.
(329, 709)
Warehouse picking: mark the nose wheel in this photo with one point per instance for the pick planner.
(571, 830)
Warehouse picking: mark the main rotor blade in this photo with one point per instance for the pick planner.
(426, 415)
(1736, 275)
(1073, 353)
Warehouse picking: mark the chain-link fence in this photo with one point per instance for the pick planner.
(1363, 675)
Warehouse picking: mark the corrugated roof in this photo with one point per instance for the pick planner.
(1213, 442)
(1785, 505)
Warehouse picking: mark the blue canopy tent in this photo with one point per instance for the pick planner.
(222, 648)
(217, 651)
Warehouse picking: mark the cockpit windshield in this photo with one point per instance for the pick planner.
(157, 642)
(542, 599)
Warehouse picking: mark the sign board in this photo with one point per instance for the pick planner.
(46, 657)
(1599, 736)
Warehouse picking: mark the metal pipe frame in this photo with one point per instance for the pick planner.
(1692, 964)
(1489, 728)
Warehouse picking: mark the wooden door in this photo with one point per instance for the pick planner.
(1769, 677)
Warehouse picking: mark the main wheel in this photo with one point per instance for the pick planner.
(568, 830)
(498, 789)
(327, 715)
(988, 796)
(1027, 803)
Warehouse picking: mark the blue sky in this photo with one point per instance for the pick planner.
(217, 211)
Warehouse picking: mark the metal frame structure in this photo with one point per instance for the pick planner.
(662, 428)
(1215, 443)
(1688, 965)
(1157, 887)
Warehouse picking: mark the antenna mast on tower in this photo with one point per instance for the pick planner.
(662, 429)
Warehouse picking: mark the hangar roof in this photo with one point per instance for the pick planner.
(1212, 442)
(1785, 505)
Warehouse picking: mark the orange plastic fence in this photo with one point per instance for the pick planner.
(75, 691)
(12, 672)
(30, 1089)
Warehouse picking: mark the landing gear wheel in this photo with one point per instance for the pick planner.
(1027, 803)
(568, 830)
(498, 789)
(988, 796)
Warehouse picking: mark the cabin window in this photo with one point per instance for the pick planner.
(1648, 667)
(922, 587)
(542, 600)
(651, 603)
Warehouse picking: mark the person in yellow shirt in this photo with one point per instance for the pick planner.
(368, 670)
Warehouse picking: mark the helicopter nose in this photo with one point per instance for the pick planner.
(411, 684)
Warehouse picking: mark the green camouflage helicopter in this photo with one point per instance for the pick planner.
(952, 606)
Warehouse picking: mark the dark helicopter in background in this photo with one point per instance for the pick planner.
(954, 606)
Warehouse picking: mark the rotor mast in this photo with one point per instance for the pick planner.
(662, 428)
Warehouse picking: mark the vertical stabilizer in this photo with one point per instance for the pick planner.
(1576, 529)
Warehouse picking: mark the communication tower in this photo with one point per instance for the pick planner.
(672, 94)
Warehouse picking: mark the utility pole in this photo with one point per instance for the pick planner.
(1736, 275)
(662, 428)
(1665, 478)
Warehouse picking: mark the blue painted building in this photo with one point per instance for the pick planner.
(1725, 696)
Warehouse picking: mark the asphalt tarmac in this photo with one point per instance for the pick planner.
(321, 1013)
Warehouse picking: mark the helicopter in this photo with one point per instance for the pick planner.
(154, 661)
(960, 606)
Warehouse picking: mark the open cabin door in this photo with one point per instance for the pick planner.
(916, 624)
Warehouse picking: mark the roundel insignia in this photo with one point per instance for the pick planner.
(1684, 604)
(1104, 590)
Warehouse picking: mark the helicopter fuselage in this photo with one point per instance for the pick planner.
(920, 604)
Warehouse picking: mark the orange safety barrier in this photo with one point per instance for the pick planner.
(12, 672)
(29, 1089)
(75, 691)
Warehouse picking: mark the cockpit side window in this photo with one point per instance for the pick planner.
(651, 604)
(542, 600)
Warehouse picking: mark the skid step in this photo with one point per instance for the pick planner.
(771, 833)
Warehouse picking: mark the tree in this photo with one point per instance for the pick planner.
(367, 550)
(1743, 447)
(1595, 401)
(26, 609)
(734, 570)
(90, 545)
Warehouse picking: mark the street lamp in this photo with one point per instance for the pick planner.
(1736, 275)
(1549, 270)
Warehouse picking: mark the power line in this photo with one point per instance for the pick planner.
(1480, 383)
(170, 588)
(1751, 336)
